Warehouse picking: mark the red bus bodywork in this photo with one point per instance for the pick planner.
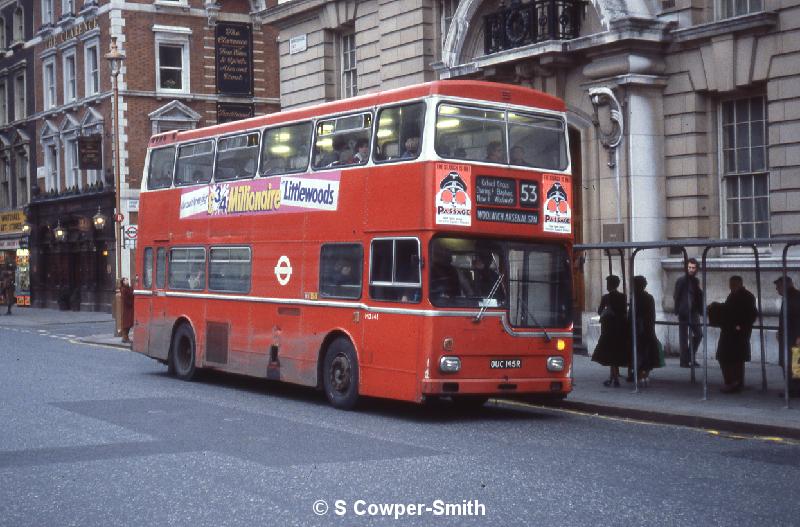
(282, 331)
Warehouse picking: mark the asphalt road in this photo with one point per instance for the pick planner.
(95, 436)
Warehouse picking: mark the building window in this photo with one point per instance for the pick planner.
(5, 184)
(49, 80)
(67, 8)
(20, 111)
(448, 8)
(70, 82)
(47, 12)
(19, 25)
(3, 43)
(744, 165)
(348, 65)
(732, 8)
(92, 66)
(72, 172)
(3, 103)
(22, 177)
(51, 167)
(172, 67)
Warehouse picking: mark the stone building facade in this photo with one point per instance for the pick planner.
(708, 94)
(17, 138)
(188, 63)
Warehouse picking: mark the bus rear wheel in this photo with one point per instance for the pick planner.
(340, 374)
(182, 353)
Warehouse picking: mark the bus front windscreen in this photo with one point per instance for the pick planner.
(533, 281)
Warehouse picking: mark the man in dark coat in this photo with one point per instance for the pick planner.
(792, 300)
(9, 291)
(688, 298)
(733, 349)
(127, 308)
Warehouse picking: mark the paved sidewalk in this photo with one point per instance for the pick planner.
(671, 397)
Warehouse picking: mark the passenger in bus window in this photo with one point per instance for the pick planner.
(362, 151)
(196, 279)
(518, 156)
(494, 152)
(411, 148)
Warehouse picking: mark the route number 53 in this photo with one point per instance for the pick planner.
(529, 194)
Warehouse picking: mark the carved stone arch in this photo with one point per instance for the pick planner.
(69, 124)
(173, 116)
(49, 130)
(457, 49)
(91, 118)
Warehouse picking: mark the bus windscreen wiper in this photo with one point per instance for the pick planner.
(527, 314)
(485, 302)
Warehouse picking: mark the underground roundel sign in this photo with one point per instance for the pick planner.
(283, 270)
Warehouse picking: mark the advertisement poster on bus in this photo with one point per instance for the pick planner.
(453, 204)
(557, 211)
(279, 194)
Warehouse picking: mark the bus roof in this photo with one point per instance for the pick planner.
(479, 90)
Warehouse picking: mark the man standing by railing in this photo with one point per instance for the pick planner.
(688, 298)
(791, 302)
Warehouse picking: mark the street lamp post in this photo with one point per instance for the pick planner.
(115, 59)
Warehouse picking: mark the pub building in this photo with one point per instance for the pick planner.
(185, 64)
(17, 140)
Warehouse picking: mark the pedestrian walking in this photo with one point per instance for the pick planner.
(646, 340)
(738, 314)
(612, 346)
(790, 305)
(9, 291)
(127, 308)
(688, 298)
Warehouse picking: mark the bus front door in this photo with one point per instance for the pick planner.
(160, 327)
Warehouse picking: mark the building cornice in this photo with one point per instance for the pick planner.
(755, 22)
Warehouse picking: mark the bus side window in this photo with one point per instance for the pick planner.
(395, 270)
(195, 163)
(285, 149)
(229, 269)
(398, 135)
(161, 268)
(147, 279)
(187, 268)
(162, 161)
(340, 266)
(237, 157)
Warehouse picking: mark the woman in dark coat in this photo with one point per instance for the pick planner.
(646, 340)
(611, 349)
(733, 348)
(127, 308)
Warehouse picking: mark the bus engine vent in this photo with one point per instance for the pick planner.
(217, 342)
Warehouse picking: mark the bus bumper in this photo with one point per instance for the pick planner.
(496, 387)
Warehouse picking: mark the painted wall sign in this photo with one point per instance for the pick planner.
(11, 221)
(234, 50)
(495, 191)
(452, 201)
(90, 152)
(227, 112)
(74, 31)
(278, 194)
(557, 210)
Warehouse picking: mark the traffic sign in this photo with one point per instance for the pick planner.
(131, 232)
(119, 217)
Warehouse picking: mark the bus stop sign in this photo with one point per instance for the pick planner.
(131, 232)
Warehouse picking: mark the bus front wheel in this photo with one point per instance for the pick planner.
(182, 353)
(340, 374)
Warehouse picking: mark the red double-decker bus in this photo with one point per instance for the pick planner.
(409, 244)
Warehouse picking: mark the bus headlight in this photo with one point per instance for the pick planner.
(449, 364)
(555, 363)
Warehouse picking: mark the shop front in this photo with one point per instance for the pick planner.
(14, 253)
(72, 251)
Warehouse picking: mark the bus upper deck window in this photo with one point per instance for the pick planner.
(537, 141)
(162, 161)
(195, 163)
(471, 133)
(339, 141)
(285, 149)
(399, 132)
(237, 157)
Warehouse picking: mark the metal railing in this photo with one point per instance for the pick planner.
(522, 24)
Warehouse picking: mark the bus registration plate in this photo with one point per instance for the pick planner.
(504, 364)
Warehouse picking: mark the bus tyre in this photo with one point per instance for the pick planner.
(182, 353)
(340, 374)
